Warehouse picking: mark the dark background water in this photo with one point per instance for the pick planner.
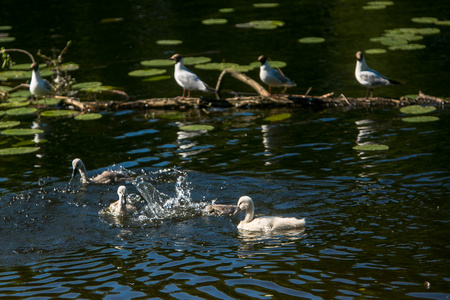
(377, 222)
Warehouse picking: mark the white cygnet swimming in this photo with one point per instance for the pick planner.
(245, 203)
(121, 207)
(106, 177)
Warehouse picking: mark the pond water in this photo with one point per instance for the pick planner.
(377, 222)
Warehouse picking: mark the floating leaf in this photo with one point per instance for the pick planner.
(217, 21)
(84, 85)
(25, 66)
(157, 78)
(22, 131)
(111, 20)
(7, 39)
(375, 51)
(58, 113)
(390, 40)
(311, 40)
(428, 31)
(371, 147)
(417, 109)
(216, 66)
(196, 60)
(12, 74)
(442, 23)
(374, 7)
(226, 10)
(146, 72)
(17, 99)
(387, 3)
(424, 20)
(14, 104)
(21, 111)
(7, 124)
(157, 63)
(98, 89)
(49, 101)
(70, 66)
(266, 24)
(420, 119)
(4, 88)
(18, 150)
(279, 117)
(88, 117)
(169, 42)
(5, 28)
(273, 63)
(197, 127)
(407, 47)
(265, 5)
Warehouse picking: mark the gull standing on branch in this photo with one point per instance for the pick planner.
(272, 77)
(368, 77)
(38, 86)
(188, 80)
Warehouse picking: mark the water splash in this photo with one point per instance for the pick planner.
(156, 189)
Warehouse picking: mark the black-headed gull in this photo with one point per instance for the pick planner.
(186, 79)
(272, 77)
(368, 77)
(38, 86)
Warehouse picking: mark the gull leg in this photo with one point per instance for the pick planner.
(184, 91)
(189, 94)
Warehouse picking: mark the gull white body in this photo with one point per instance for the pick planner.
(368, 77)
(272, 77)
(121, 207)
(38, 85)
(245, 203)
(106, 177)
(188, 80)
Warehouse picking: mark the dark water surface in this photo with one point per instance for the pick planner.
(377, 222)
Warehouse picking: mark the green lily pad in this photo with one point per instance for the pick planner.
(374, 7)
(442, 23)
(216, 21)
(21, 111)
(70, 66)
(169, 42)
(265, 5)
(18, 150)
(424, 20)
(7, 39)
(12, 74)
(417, 109)
(226, 10)
(273, 63)
(375, 51)
(372, 147)
(390, 40)
(266, 24)
(21, 131)
(20, 93)
(25, 66)
(311, 40)
(428, 31)
(49, 101)
(407, 47)
(146, 72)
(215, 66)
(17, 99)
(58, 113)
(98, 89)
(196, 60)
(7, 124)
(387, 3)
(14, 104)
(197, 127)
(30, 142)
(88, 117)
(279, 117)
(157, 63)
(157, 78)
(5, 28)
(84, 85)
(4, 88)
(420, 119)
